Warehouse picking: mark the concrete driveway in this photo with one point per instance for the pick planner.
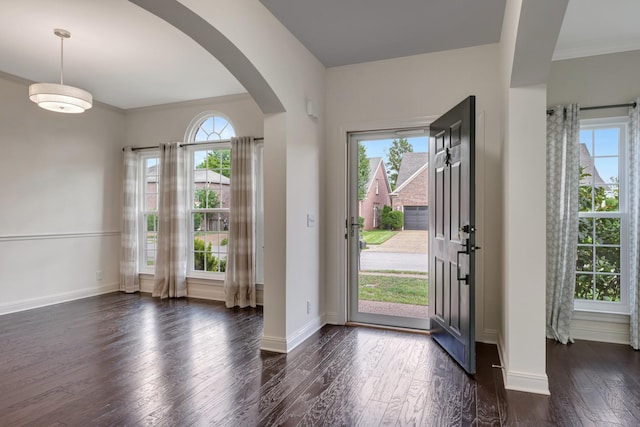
(405, 242)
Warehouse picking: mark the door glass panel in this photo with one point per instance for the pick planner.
(389, 236)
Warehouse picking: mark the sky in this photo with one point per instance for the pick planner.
(380, 147)
(603, 146)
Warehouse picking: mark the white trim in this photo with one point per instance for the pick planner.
(285, 345)
(331, 318)
(342, 134)
(622, 124)
(527, 382)
(603, 327)
(273, 344)
(603, 49)
(192, 103)
(31, 303)
(47, 236)
(490, 336)
(196, 122)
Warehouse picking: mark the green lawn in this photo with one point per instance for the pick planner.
(376, 237)
(398, 289)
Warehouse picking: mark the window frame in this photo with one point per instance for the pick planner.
(143, 156)
(190, 188)
(622, 306)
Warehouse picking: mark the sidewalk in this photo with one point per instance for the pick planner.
(406, 242)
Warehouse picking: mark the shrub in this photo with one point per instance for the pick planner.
(361, 222)
(396, 220)
(224, 242)
(391, 219)
(200, 254)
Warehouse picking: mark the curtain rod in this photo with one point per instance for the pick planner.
(150, 147)
(600, 107)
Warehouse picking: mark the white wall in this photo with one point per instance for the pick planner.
(529, 33)
(60, 193)
(164, 123)
(597, 80)
(293, 167)
(404, 92)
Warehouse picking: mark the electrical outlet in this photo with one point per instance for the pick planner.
(308, 307)
(99, 275)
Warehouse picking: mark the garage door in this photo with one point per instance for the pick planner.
(416, 217)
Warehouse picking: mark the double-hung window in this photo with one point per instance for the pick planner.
(209, 193)
(148, 211)
(601, 279)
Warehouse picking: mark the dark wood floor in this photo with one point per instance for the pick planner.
(132, 360)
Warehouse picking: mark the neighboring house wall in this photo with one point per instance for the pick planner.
(377, 196)
(413, 192)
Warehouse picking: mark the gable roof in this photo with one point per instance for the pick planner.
(410, 164)
(374, 164)
(199, 176)
(588, 167)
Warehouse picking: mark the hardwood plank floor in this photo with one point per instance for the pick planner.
(117, 360)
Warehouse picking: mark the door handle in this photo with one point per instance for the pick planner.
(354, 224)
(466, 276)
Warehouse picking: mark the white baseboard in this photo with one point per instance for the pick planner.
(274, 344)
(521, 381)
(331, 318)
(43, 301)
(528, 382)
(285, 345)
(489, 336)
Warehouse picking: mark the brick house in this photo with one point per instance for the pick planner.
(411, 193)
(377, 196)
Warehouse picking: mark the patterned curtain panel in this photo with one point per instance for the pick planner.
(129, 281)
(563, 161)
(171, 252)
(634, 223)
(239, 284)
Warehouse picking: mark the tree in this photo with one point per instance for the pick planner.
(607, 232)
(363, 171)
(218, 161)
(395, 153)
(204, 199)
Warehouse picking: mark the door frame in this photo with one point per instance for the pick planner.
(352, 249)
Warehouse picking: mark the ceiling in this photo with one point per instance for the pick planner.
(340, 32)
(129, 58)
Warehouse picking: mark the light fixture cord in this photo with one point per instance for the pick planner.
(61, 60)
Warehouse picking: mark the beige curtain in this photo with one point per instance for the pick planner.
(171, 253)
(239, 284)
(129, 281)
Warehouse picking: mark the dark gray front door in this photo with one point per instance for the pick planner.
(452, 232)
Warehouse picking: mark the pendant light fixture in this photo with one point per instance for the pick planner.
(60, 97)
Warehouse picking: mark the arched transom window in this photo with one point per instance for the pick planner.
(212, 128)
